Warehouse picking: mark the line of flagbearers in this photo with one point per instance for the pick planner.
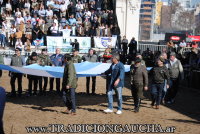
(164, 87)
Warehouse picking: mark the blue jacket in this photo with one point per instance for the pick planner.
(57, 61)
(117, 72)
(2, 106)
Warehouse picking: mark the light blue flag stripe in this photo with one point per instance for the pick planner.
(84, 69)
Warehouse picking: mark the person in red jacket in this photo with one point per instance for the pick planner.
(107, 56)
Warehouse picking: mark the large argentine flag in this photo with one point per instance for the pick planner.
(83, 69)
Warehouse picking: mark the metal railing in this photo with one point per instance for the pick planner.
(152, 47)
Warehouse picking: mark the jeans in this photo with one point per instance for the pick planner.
(69, 99)
(119, 97)
(2, 40)
(2, 105)
(156, 91)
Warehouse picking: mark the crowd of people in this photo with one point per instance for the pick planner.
(36, 19)
(165, 72)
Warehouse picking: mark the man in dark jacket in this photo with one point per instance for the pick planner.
(32, 78)
(159, 74)
(18, 61)
(71, 9)
(124, 43)
(116, 83)
(132, 46)
(69, 85)
(139, 81)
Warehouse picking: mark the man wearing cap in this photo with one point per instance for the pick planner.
(75, 57)
(175, 72)
(18, 61)
(138, 55)
(90, 57)
(139, 81)
(159, 74)
(116, 83)
(69, 85)
(44, 60)
(57, 61)
(33, 59)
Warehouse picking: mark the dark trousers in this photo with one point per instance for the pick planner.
(156, 92)
(45, 83)
(69, 99)
(14, 7)
(137, 94)
(0, 73)
(12, 42)
(88, 84)
(172, 91)
(57, 84)
(15, 76)
(2, 106)
(108, 79)
(32, 80)
(125, 51)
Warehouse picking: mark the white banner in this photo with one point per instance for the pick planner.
(105, 42)
(64, 43)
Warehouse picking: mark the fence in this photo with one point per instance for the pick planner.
(152, 47)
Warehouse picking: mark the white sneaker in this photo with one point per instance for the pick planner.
(119, 112)
(108, 110)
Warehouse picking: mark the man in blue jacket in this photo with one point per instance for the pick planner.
(57, 61)
(2, 105)
(116, 71)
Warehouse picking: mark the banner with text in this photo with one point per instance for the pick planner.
(64, 43)
(105, 42)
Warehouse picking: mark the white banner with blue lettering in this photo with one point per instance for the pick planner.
(83, 69)
(105, 42)
(64, 43)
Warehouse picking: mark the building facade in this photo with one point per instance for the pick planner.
(146, 19)
(128, 17)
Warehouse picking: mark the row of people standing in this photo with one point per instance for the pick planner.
(43, 59)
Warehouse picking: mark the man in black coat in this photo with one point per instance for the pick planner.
(132, 46)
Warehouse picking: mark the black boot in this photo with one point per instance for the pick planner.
(137, 106)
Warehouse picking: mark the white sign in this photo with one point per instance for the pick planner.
(105, 42)
(64, 43)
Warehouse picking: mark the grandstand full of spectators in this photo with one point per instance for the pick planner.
(23, 21)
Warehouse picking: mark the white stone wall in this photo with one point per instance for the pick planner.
(128, 17)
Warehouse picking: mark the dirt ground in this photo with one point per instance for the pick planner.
(45, 110)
